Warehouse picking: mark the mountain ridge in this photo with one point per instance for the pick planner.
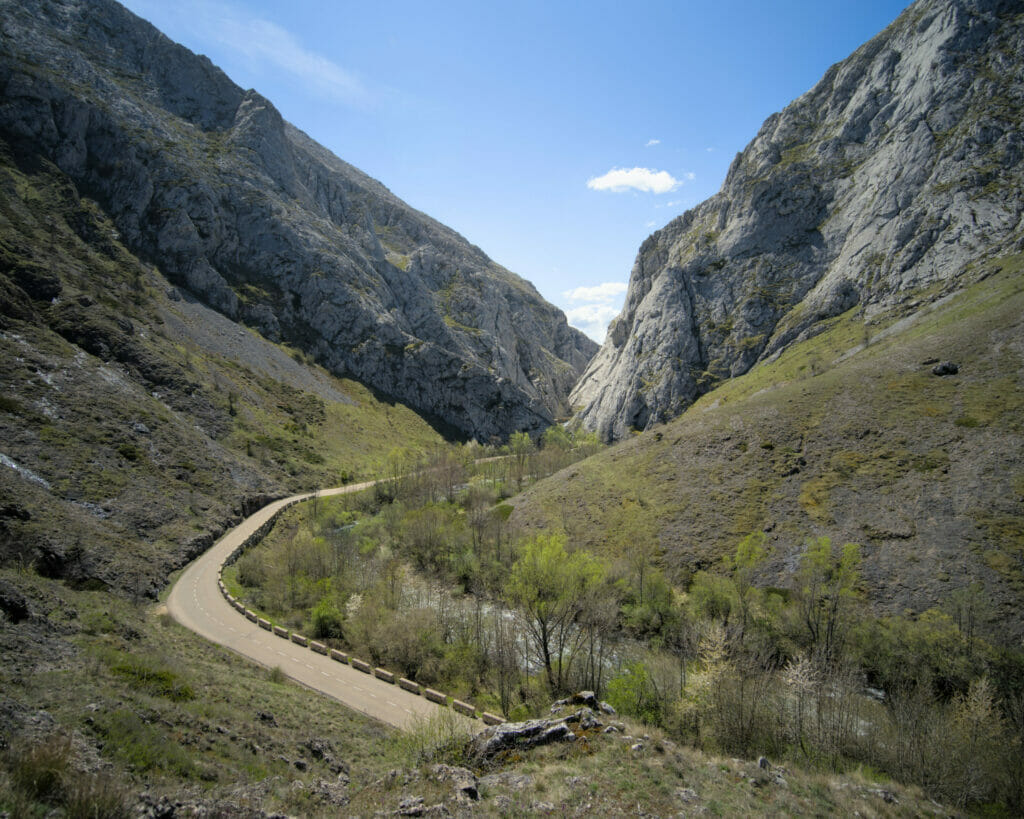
(210, 183)
(887, 179)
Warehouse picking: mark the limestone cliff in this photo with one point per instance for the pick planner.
(882, 185)
(209, 183)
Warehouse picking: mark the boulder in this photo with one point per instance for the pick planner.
(520, 736)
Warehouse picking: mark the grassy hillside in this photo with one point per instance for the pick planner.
(849, 435)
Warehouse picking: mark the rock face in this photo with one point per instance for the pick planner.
(881, 185)
(209, 183)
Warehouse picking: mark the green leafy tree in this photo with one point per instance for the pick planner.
(635, 694)
(749, 554)
(828, 594)
(552, 588)
(520, 446)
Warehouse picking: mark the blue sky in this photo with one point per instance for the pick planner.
(554, 135)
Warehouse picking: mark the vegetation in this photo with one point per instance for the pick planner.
(805, 674)
(694, 577)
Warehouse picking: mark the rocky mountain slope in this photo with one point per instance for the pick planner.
(883, 185)
(207, 182)
(135, 422)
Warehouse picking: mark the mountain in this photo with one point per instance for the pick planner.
(881, 187)
(206, 182)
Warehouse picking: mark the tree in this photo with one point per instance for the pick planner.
(635, 694)
(827, 594)
(551, 588)
(749, 554)
(479, 499)
(520, 445)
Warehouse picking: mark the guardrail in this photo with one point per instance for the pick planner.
(413, 687)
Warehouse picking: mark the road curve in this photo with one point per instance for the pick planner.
(195, 601)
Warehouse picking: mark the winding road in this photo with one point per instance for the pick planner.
(195, 601)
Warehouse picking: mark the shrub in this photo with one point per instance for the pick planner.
(159, 681)
(39, 769)
(143, 746)
(92, 797)
(441, 737)
(130, 452)
(327, 620)
(252, 570)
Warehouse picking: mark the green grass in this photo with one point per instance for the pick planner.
(132, 667)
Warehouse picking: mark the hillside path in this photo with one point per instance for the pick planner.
(195, 601)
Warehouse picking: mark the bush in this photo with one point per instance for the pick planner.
(159, 681)
(39, 770)
(92, 797)
(252, 571)
(633, 693)
(441, 737)
(327, 620)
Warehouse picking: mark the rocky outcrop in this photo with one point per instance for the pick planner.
(880, 186)
(210, 184)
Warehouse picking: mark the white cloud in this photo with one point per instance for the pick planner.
(274, 45)
(261, 41)
(602, 303)
(652, 142)
(641, 179)
(602, 293)
(689, 176)
(592, 319)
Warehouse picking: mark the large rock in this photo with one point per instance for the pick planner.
(531, 733)
(882, 184)
(208, 182)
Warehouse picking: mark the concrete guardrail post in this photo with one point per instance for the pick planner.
(435, 696)
(359, 665)
(464, 708)
(319, 648)
(409, 685)
(298, 639)
(340, 656)
(382, 674)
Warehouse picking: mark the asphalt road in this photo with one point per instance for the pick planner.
(195, 601)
